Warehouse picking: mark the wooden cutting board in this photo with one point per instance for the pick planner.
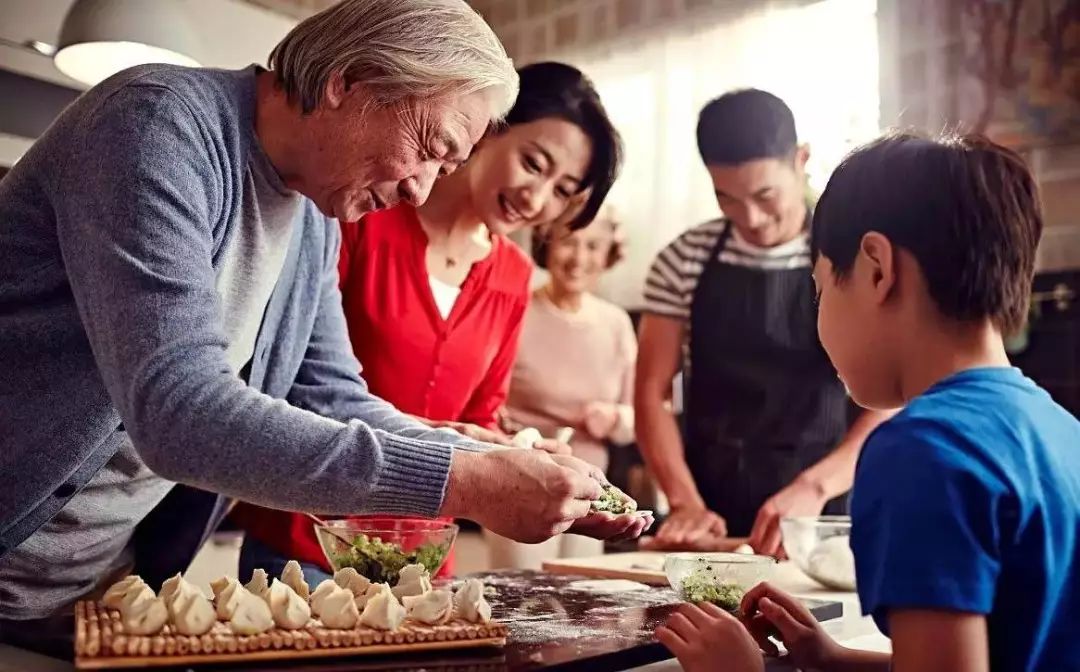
(100, 642)
(641, 566)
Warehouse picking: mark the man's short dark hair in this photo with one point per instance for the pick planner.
(745, 125)
(967, 210)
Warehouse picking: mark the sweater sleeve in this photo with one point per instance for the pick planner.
(136, 202)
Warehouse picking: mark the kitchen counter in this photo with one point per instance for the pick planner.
(555, 627)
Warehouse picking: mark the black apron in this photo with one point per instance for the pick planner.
(763, 400)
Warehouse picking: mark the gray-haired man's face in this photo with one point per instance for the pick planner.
(363, 159)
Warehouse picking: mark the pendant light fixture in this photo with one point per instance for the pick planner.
(102, 37)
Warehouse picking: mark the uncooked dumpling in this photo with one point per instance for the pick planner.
(227, 593)
(293, 577)
(350, 579)
(434, 607)
(138, 592)
(146, 615)
(290, 611)
(373, 590)
(252, 615)
(322, 591)
(189, 609)
(383, 612)
(412, 580)
(116, 592)
(470, 603)
(259, 584)
(169, 588)
(339, 609)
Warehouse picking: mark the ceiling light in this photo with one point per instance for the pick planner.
(102, 37)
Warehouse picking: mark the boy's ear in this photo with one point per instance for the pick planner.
(879, 254)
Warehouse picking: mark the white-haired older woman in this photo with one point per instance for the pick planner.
(169, 310)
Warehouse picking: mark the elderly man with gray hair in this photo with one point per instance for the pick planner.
(169, 309)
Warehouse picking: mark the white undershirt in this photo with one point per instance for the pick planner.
(445, 294)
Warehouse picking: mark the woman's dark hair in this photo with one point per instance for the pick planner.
(745, 125)
(560, 91)
(967, 210)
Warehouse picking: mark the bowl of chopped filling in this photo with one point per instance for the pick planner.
(379, 547)
(719, 578)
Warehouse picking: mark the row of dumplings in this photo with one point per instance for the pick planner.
(347, 600)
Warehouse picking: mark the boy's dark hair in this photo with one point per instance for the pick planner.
(745, 125)
(967, 210)
(556, 90)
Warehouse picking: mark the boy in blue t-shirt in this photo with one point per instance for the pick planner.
(966, 505)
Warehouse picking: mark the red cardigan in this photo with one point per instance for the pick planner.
(454, 369)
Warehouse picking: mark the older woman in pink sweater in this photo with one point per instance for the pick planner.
(575, 366)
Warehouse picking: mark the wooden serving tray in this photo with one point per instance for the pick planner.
(101, 643)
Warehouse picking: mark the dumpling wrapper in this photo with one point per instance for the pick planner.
(322, 591)
(339, 609)
(383, 612)
(145, 616)
(115, 593)
(373, 590)
(259, 584)
(290, 611)
(190, 610)
(527, 438)
(413, 580)
(293, 577)
(227, 594)
(433, 608)
(350, 579)
(252, 615)
(470, 604)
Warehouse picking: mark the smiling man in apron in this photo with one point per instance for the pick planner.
(731, 302)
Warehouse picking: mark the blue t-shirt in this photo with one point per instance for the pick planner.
(969, 500)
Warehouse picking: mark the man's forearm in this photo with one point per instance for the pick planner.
(834, 474)
(662, 446)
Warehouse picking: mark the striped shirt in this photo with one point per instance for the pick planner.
(673, 278)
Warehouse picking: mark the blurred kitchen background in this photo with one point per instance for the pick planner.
(847, 68)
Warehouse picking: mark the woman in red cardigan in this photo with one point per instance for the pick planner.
(435, 295)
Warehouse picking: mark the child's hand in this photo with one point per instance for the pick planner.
(699, 636)
(770, 612)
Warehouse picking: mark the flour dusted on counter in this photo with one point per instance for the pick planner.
(607, 586)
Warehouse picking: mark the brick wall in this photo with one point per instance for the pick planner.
(934, 76)
(533, 30)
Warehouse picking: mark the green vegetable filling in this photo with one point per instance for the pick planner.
(381, 561)
(703, 586)
(614, 500)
